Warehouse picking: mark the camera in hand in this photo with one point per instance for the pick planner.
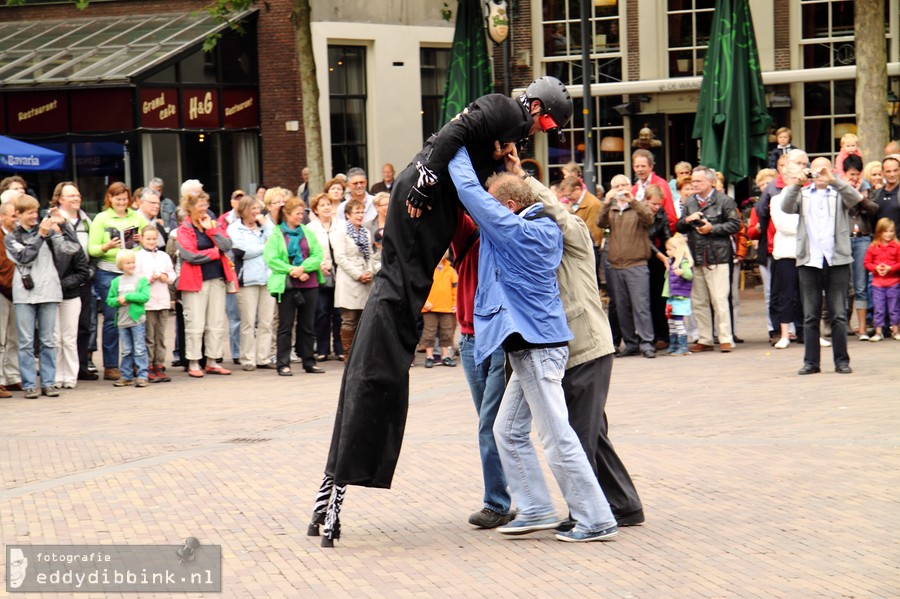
(27, 282)
(697, 223)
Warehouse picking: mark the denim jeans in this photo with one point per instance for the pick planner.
(833, 281)
(232, 311)
(858, 247)
(44, 315)
(486, 383)
(134, 351)
(110, 337)
(535, 390)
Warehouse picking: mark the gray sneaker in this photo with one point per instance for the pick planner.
(488, 518)
(573, 536)
(521, 526)
(31, 393)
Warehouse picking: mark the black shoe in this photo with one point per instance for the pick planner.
(314, 370)
(649, 353)
(634, 518)
(87, 375)
(91, 367)
(488, 518)
(179, 363)
(809, 369)
(843, 369)
(737, 339)
(624, 353)
(566, 525)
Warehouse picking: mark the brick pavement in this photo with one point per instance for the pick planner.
(756, 482)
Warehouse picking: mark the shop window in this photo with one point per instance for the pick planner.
(347, 98)
(160, 152)
(434, 64)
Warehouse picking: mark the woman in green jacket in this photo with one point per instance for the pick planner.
(116, 228)
(294, 255)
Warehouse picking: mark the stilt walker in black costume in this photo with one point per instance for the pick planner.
(374, 396)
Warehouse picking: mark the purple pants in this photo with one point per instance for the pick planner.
(886, 300)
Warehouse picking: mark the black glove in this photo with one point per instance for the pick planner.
(418, 196)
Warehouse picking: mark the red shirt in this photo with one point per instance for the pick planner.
(467, 270)
(884, 253)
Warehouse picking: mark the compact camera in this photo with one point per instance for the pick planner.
(27, 282)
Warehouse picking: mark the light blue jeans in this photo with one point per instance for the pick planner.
(535, 391)
(233, 312)
(44, 316)
(133, 342)
(486, 383)
(858, 248)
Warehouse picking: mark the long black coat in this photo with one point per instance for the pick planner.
(374, 396)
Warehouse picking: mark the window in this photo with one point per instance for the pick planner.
(347, 98)
(830, 111)
(435, 62)
(690, 24)
(562, 41)
(562, 59)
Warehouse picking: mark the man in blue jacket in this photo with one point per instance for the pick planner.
(517, 307)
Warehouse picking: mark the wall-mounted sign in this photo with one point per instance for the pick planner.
(200, 108)
(158, 108)
(37, 112)
(241, 107)
(497, 20)
(102, 110)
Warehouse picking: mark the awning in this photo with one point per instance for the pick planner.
(17, 155)
(100, 50)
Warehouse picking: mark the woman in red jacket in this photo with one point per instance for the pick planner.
(205, 272)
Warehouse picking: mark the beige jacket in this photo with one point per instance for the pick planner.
(349, 292)
(577, 283)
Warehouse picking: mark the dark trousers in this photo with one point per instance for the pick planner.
(328, 323)
(785, 295)
(88, 305)
(296, 310)
(611, 307)
(658, 275)
(833, 281)
(586, 387)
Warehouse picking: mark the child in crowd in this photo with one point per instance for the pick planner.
(439, 313)
(678, 289)
(849, 146)
(129, 293)
(783, 138)
(156, 267)
(883, 261)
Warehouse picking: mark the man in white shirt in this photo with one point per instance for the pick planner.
(823, 255)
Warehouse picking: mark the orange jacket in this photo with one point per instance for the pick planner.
(443, 290)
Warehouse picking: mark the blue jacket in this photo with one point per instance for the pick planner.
(254, 270)
(517, 289)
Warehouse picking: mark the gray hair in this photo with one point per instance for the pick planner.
(506, 186)
(356, 172)
(156, 181)
(707, 172)
(191, 186)
(148, 193)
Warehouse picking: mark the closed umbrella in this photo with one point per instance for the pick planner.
(732, 121)
(469, 75)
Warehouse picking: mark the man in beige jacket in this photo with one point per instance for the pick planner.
(588, 369)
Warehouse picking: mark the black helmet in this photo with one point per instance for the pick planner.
(555, 100)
